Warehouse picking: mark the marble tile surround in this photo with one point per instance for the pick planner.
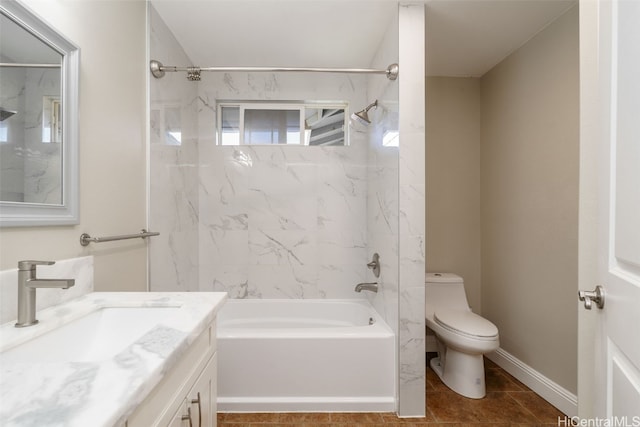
(301, 222)
(80, 269)
(257, 222)
(411, 334)
(383, 183)
(174, 204)
(282, 222)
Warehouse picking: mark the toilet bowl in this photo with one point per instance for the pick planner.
(462, 336)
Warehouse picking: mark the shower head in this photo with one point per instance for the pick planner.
(363, 115)
(5, 114)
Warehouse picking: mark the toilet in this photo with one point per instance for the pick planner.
(462, 336)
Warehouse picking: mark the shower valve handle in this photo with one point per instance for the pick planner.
(375, 265)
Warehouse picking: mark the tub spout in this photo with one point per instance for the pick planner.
(373, 287)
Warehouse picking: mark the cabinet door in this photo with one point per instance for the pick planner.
(177, 420)
(202, 397)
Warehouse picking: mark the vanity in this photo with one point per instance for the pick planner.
(113, 359)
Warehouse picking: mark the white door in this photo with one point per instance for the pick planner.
(615, 338)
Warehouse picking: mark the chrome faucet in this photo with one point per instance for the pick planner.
(27, 284)
(373, 287)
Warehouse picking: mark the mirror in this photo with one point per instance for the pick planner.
(38, 121)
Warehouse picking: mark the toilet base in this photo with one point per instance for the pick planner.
(461, 372)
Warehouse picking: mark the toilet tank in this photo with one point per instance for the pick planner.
(444, 290)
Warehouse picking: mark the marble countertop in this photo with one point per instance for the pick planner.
(105, 392)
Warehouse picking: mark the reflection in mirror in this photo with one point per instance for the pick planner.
(51, 119)
(38, 109)
(29, 83)
(290, 123)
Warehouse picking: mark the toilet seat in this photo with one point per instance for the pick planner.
(466, 323)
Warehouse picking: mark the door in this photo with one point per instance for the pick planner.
(202, 397)
(615, 335)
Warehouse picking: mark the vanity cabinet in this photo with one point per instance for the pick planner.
(186, 396)
(199, 406)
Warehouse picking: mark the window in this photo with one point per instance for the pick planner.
(281, 123)
(51, 119)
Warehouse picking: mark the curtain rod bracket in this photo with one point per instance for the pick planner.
(392, 71)
(156, 69)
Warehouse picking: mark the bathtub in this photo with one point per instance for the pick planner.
(304, 355)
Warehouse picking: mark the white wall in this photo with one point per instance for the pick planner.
(529, 164)
(112, 40)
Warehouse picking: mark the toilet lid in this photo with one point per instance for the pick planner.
(465, 322)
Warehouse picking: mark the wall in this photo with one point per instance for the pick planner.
(253, 221)
(453, 180)
(173, 169)
(411, 196)
(382, 180)
(529, 164)
(112, 144)
(286, 221)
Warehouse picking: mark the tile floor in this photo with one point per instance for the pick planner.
(508, 403)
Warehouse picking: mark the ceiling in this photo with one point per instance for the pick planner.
(463, 37)
(17, 45)
(469, 37)
(280, 33)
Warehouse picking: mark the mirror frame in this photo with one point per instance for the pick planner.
(16, 214)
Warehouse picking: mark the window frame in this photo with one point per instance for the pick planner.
(300, 106)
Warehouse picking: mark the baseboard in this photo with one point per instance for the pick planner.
(306, 404)
(553, 393)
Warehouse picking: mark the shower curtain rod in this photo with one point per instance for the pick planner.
(193, 73)
(16, 65)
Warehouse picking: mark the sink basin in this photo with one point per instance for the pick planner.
(97, 336)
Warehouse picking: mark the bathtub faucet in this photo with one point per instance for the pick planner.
(373, 287)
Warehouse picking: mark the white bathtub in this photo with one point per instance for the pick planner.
(304, 355)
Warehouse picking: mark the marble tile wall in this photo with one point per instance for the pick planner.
(411, 333)
(174, 205)
(80, 269)
(285, 221)
(261, 222)
(382, 179)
